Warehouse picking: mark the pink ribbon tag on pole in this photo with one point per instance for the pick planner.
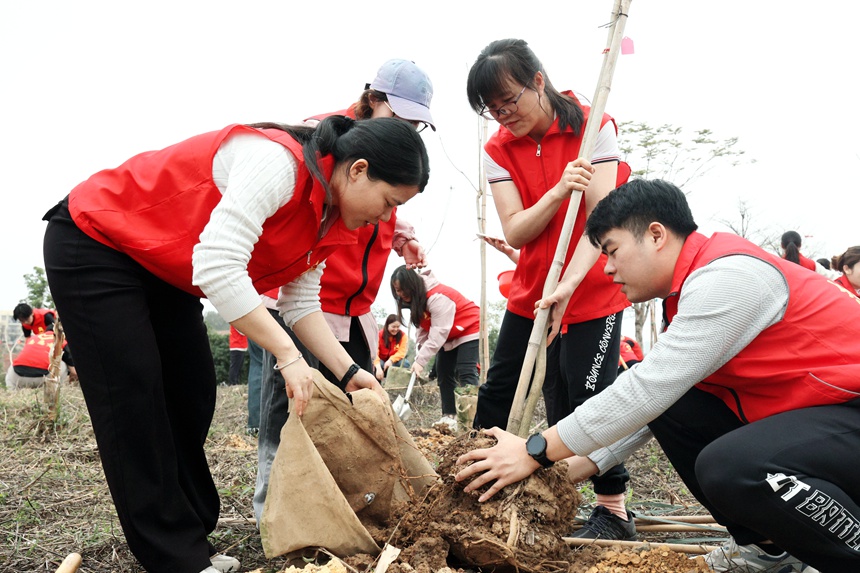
(626, 46)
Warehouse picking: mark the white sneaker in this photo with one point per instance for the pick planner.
(223, 564)
(446, 424)
(736, 558)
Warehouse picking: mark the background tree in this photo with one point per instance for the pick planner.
(38, 294)
(667, 152)
(214, 322)
(766, 238)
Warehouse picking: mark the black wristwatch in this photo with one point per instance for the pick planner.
(536, 448)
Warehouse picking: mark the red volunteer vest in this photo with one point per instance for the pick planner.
(534, 173)
(238, 341)
(37, 351)
(630, 350)
(843, 281)
(154, 206)
(806, 263)
(354, 273)
(809, 358)
(386, 351)
(467, 317)
(38, 325)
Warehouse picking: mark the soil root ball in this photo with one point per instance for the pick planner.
(519, 529)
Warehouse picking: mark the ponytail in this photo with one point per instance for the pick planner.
(791, 244)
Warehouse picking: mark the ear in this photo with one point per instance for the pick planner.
(538, 82)
(358, 169)
(658, 235)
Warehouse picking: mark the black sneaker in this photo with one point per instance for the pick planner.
(603, 524)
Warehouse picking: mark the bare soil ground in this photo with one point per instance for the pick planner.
(54, 501)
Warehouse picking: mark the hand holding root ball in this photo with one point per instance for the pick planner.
(501, 465)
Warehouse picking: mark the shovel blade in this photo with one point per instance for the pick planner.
(405, 413)
(401, 408)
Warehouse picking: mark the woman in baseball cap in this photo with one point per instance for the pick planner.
(403, 90)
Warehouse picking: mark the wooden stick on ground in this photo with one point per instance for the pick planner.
(675, 519)
(517, 422)
(679, 547)
(666, 527)
(70, 564)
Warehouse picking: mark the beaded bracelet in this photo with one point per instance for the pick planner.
(293, 361)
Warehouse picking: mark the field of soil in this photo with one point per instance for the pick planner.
(54, 501)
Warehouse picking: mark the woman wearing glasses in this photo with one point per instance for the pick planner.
(222, 215)
(532, 166)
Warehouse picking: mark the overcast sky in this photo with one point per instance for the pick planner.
(87, 84)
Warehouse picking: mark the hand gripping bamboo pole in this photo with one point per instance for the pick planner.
(527, 394)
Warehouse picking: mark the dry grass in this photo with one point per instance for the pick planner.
(54, 500)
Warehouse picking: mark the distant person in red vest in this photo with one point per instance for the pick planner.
(752, 390)
(848, 263)
(790, 244)
(33, 363)
(238, 350)
(393, 345)
(224, 215)
(448, 327)
(34, 320)
(631, 353)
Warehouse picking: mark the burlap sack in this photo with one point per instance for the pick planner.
(365, 450)
(304, 507)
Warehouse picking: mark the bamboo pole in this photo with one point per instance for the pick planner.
(667, 528)
(675, 519)
(678, 547)
(517, 423)
(482, 227)
(52, 380)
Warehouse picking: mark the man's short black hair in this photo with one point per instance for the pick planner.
(637, 204)
(22, 311)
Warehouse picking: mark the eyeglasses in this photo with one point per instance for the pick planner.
(418, 125)
(505, 110)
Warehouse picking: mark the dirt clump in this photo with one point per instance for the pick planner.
(517, 530)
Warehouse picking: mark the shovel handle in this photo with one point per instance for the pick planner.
(410, 386)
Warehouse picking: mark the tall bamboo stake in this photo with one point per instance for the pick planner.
(482, 227)
(52, 380)
(517, 422)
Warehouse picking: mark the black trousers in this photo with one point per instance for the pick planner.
(580, 364)
(790, 478)
(147, 375)
(237, 360)
(458, 366)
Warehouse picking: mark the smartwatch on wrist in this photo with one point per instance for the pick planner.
(536, 448)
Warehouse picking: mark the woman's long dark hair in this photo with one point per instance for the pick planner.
(791, 245)
(386, 335)
(393, 149)
(412, 284)
(513, 59)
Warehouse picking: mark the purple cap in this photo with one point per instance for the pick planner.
(408, 88)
